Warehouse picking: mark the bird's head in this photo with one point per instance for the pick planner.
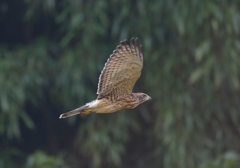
(142, 97)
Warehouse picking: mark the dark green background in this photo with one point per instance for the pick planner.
(52, 53)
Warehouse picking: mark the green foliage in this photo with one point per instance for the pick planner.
(39, 159)
(8, 157)
(191, 71)
(228, 160)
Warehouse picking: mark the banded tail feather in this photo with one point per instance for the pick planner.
(84, 110)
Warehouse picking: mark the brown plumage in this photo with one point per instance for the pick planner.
(116, 82)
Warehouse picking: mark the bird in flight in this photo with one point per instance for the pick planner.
(116, 82)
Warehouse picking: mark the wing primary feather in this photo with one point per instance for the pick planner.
(123, 45)
(127, 46)
(137, 47)
(132, 45)
(119, 47)
(122, 50)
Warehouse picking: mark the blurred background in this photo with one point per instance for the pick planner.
(52, 53)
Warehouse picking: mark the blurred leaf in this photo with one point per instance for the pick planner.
(196, 75)
(202, 50)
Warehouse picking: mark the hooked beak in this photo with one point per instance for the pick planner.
(149, 98)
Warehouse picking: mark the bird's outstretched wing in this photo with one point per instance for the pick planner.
(122, 70)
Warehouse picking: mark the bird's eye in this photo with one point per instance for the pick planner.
(143, 96)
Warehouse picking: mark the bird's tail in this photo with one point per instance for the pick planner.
(84, 110)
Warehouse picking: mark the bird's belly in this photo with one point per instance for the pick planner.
(106, 106)
(109, 108)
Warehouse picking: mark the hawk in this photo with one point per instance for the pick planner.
(116, 82)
